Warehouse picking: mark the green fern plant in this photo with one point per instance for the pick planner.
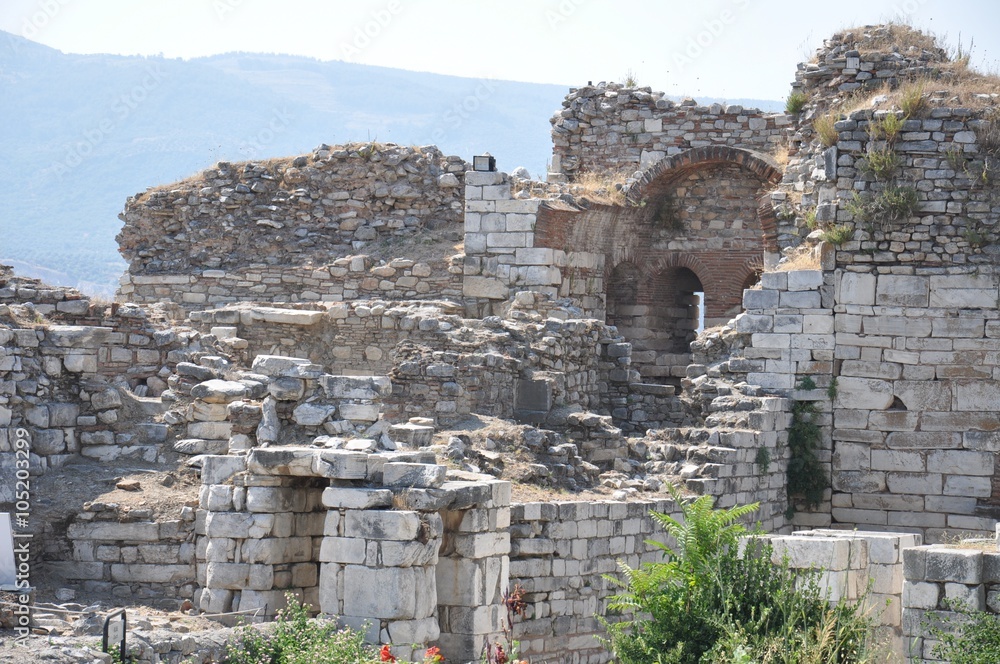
(703, 533)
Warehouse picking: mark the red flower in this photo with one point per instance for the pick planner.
(386, 655)
(501, 655)
(433, 656)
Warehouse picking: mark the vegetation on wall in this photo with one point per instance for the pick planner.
(796, 102)
(807, 479)
(715, 601)
(970, 637)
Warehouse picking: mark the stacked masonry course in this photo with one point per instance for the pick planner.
(269, 230)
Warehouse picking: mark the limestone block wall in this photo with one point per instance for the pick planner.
(281, 400)
(740, 455)
(66, 305)
(789, 322)
(937, 574)
(354, 337)
(857, 566)
(443, 364)
(949, 171)
(857, 59)
(559, 554)
(915, 416)
(385, 541)
(347, 278)
(127, 553)
(54, 383)
(613, 127)
(502, 256)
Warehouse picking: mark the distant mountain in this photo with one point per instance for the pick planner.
(80, 133)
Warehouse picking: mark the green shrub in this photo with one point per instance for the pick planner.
(708, 603)
(896, 203)
(838, 235)
(881, 162)
(296, 639)
(886, 127)
(806, 477)
(972, 639)
(809, 218)
(796, 102)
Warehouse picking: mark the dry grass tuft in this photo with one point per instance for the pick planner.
(780, 156)
(602, 186)
(824, 126)
(977, 92)
(803, 257)
(893, 36)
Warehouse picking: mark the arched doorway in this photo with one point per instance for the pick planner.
(681, 313)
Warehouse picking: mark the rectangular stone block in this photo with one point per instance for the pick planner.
(902, 291)
(864, 393)
(340, 464)
(812, 552)
(107, 530)
(856, 288)
(896, 460)
(139, 573)
(803, 280)
(342, 550)
(760, 300)
(960, 462)
(404, 593)
(356, 498)
(954, 565)
(382, 524)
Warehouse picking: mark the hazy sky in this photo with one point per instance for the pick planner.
(724, 48)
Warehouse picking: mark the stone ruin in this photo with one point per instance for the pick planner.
(319, 339)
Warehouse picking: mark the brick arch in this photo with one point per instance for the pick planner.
(669, 168)
(677, 259)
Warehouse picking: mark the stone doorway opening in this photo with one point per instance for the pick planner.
(683, 308)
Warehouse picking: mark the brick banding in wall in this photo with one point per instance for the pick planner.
(670, 169)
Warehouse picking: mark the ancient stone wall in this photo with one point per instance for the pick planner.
(612, 127)
(863, 59)
(502, 256)
(65, 305)
(914, 419)
(233, 232)
(54, 382)
(128, 554)
(936, 575)
(347, 278)
(446, 366)
(561, 551)
(333, 525)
